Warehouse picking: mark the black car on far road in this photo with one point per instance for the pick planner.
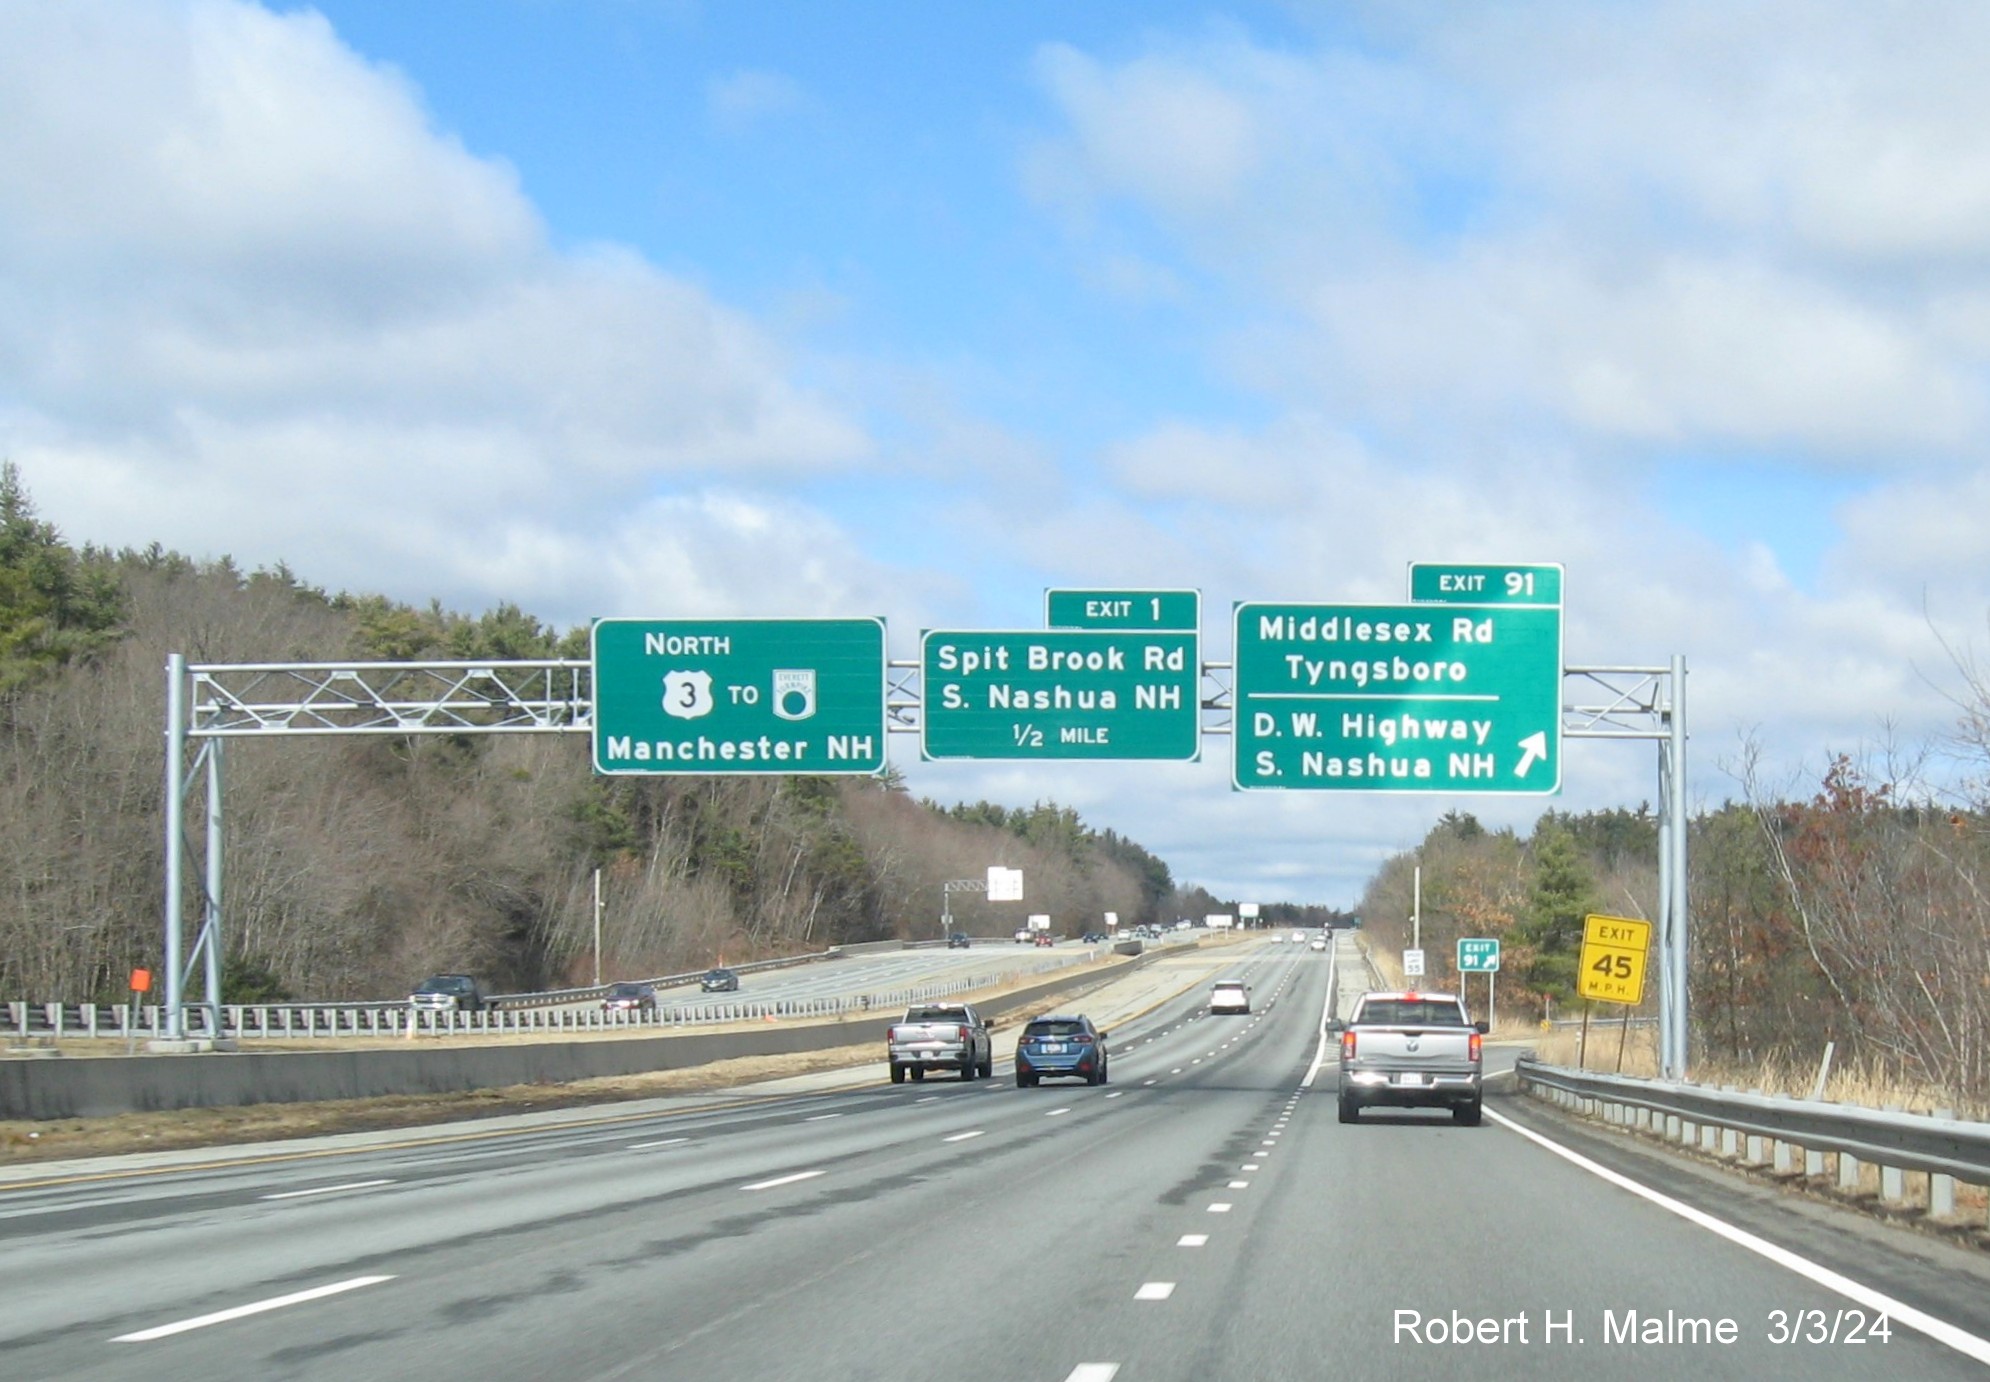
(639, 999)
(719, 980)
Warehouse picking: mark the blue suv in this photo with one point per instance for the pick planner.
(1055, 1047)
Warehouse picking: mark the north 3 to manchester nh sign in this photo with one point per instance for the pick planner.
(739, 696)
(1402, 698)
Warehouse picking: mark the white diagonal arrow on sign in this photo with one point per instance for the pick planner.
(1534, 746)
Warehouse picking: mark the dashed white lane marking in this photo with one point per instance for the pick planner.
(1899, 1312)
(1176, 1071)
(1145, 1083)
(1115, 1094)
(1093, 1372)
(821, 1117)
(1220, 1207)
(327, 1189)
(781, 1180)
(1155, 1290)
(1248, 1166)
(1192, 1240)
(1054, 1112)
(930, 1098)
(240, 1311)
(963, 1136)
(645, 1146)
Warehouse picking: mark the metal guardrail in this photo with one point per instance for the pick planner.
(1770, 1130)
(514, 1013)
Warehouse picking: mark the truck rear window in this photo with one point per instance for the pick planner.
(1054, 1029)
(1400, 1012)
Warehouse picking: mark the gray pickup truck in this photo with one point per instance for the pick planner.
(1410, 1050)
(940, 1036)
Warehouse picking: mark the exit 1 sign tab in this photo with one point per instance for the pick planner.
(1174, 611)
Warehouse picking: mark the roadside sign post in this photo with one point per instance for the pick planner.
(1611, 970)
(1612, 967)
(1480, 955)
(1412, 964)
(756, 696)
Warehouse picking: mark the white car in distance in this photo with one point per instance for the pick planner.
(1230, 996)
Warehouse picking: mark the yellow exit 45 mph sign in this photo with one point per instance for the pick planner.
(1612, 969)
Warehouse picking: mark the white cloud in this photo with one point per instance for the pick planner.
(1153, 128)
(279, 315)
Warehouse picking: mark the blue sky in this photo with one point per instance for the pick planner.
(612, 307)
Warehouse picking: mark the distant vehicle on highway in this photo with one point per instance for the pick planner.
(634, 998)
(1045, 938)
(1095, 938)
(1410, 1050)
(446, 993)
(1319, 943)
(1298, 937)
(1023, 934)
(1060, 1047)
(719, 980)
(1230, 996)
(957, 941)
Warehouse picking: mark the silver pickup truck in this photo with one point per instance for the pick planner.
(940, 1036)
(1410, 1050)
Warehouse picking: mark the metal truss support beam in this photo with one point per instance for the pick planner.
(207, 703)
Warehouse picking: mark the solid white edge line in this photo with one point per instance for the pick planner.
(326, 1190)
(1333, 992)
(223, 1316)
(1961, 1340)
(781, 1180)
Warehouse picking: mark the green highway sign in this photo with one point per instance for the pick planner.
(1462, 583)
(1398, 698)
(1179, 611)
(1478, 956)
(722, 696)
(1061, 694)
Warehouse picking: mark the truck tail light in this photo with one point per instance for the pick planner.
(1477, 1041)
(1347, 1045)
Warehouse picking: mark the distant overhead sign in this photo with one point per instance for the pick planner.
(1398, 698)
(1004, 885)
(1061, 694)
(1175, 611)
(722, 696)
